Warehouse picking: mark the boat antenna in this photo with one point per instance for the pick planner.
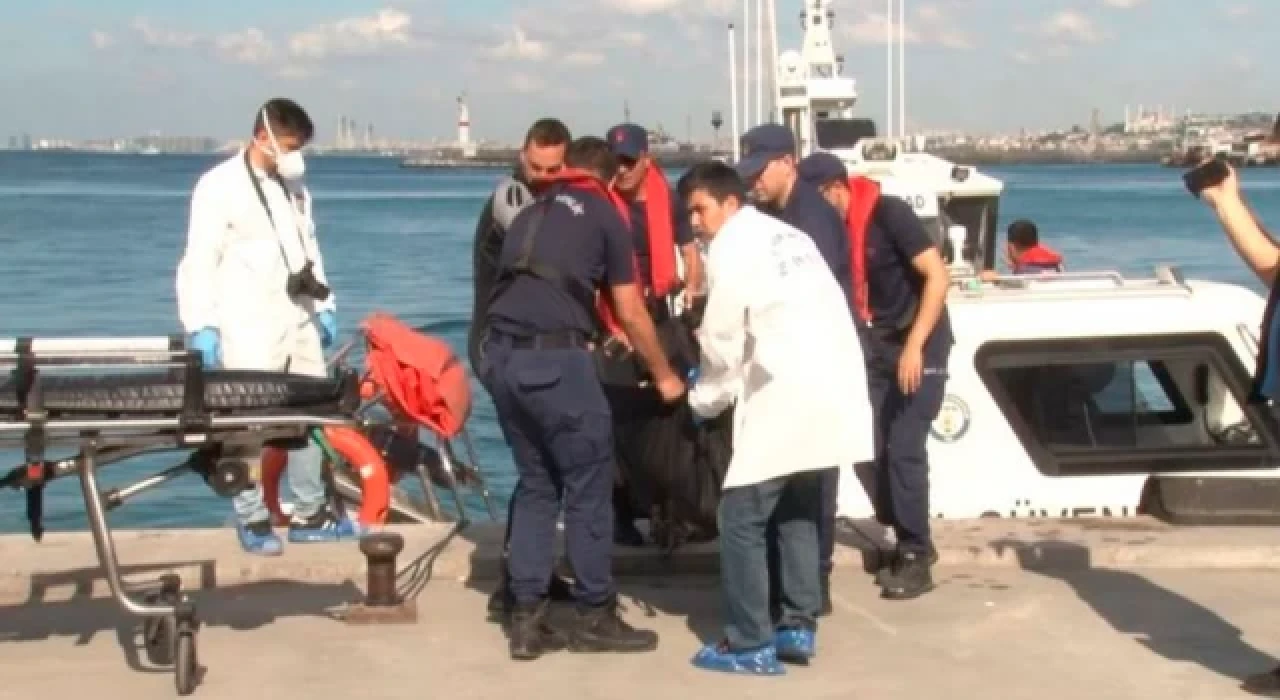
(902, 70)
(889, 75)
(733, 95)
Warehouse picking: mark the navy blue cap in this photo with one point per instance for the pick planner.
(761, 145)
(629, 140)
(820, 168)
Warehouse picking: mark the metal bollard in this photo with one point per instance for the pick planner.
(382, 605)
(381, 550)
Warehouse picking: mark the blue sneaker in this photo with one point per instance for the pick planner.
(322, 527)
(761, 661)
(795, 645)
(259, 538)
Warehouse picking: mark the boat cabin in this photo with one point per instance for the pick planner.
(1097, 394)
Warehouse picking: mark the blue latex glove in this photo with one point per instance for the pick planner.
(206, 341)
(690, 380)
(328, 328)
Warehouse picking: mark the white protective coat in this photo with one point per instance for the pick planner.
(778, 339)
(233, 274)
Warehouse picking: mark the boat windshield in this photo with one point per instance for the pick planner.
(842, 133)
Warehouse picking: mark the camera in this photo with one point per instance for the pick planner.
(1205, 175)
(304, 283)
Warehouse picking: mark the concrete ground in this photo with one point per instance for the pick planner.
(1049, 609)
(984, 633)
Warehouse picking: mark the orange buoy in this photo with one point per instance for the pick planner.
(365, 460)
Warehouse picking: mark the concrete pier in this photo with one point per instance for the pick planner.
(1048, 609)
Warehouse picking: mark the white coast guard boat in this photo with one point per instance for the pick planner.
(1069, 395)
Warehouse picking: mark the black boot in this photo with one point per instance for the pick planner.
(909, 577)
(600, 629)
(530, 636)
(826, 595)
(889, 559)
(1265, 684)
(501, 602)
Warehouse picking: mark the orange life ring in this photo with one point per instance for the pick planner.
(365, 460)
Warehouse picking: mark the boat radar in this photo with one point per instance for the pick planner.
(464, 129)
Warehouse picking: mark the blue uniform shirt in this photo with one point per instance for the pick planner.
(681, 228)
(809, 211)
(895, 237)
(583, 238)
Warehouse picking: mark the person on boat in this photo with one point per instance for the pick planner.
(252, 294)
(658, 226)
(541, 156)
(563, 257)
(768, 166)
(901, 295)
(1261, 254)
(1025, 254)
(777, 339)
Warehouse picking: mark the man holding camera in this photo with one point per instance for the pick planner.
(1216, 184)
(252, 294)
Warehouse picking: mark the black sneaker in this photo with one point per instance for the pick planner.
(1266, 684)
(600, 629)
(530, 636)
(500, 601)
(908, 578)
(889, 559)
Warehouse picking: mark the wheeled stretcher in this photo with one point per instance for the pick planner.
(117, 398)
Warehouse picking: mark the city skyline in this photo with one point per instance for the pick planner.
(81, 69)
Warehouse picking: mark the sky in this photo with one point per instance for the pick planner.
(104, 68)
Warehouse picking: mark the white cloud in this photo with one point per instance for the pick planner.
(163, 38)
(101, 40)
(1238, 11)
(1069, 25)
(930, 26)
(1123, 4)
(519, 47)
(584, 58)
(250, 46)
(354, 35)
(1241, 62)
(673, 8)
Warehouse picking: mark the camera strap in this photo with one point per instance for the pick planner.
(262, 198)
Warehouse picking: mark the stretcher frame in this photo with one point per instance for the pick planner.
(459, 472)
(170, 622)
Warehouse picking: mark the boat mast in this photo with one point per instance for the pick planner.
(733, 95)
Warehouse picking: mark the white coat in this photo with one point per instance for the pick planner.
(233, 273)
(778, 339)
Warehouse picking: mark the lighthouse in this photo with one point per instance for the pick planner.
(464, 129)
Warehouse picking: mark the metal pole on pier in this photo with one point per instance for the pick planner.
(889, 77)
(902, 70)
(775, 110)
(759, 61)
(733, 96)
(746, 65)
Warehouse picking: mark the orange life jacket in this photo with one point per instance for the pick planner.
(662, 238)
(864, 194)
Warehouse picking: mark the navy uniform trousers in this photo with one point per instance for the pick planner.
(900, 483)
(554, 415)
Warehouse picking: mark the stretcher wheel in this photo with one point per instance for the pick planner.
(186, 667)
(159, 636)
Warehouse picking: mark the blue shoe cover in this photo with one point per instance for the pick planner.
(329, 530)
(795, 645)
(762, 661)
(268, 544)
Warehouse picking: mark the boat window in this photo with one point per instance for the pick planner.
(842, 133)
(1125, 405)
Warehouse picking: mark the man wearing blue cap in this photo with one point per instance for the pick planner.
(900, 292)
(659, 225)
(768, 166)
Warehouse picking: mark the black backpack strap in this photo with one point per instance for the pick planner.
(526, 265)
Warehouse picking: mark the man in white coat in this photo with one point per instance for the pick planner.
(777, 339)
(252, 294)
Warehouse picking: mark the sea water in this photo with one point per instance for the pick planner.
(89, 244)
